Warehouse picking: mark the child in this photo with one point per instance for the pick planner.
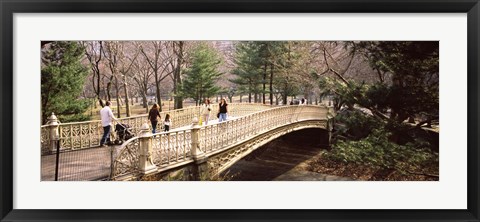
(167, 122)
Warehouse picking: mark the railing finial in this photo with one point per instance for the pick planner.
(194, 121)
(145, 130)
(52, 120)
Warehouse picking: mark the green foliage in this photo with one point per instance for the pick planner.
(248, 69)
(201, 77)
(414, 87)
(378, 151)
(62, 78)
(262, 63)
(355, 125)
(377, 97)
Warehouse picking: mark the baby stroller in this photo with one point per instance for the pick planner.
(123, 133)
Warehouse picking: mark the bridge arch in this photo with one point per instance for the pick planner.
(219, 162)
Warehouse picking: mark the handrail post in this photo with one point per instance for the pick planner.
(197, 153)
(200, 170)
(53, 124)
(145, 159)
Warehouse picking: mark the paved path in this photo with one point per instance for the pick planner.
(78, 165)
(302, 175)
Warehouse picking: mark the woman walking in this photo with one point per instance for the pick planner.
(222, 110)
(152, 116)
(206, 111)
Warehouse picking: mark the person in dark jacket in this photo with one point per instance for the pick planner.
(152, 116)
(222, 110)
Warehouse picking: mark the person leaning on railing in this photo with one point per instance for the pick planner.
(107, 116)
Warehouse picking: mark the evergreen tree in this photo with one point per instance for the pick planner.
(248, 68)
(62, 80)
(201, 77)
(414, 89)
(273, 63)
(287, 79)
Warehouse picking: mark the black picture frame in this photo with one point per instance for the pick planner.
(9, 7)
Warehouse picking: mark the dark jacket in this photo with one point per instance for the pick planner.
(223, 108)
(153, 114)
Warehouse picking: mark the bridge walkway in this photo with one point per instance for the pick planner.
(93, 163)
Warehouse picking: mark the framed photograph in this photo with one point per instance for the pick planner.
(252, 111)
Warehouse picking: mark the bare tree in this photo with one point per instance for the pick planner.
(126, 60)
(142, 77)
(156, 56)
(94, 51)
(343, 61)
(112, 53)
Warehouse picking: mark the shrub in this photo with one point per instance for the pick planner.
(377, 151)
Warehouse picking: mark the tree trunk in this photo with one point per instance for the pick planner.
(145, 103)
(98, 91)
(125, 89)
(271, 85)
(177, 77)
(264, 82)
(157, 91)
(117, 92)
(160, 104)
(109, 87)
(100, 101)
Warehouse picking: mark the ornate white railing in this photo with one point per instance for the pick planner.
(218, 136)
(175, 148)
(45, 139)
(172, 147)
(79, 135)
(129, 163)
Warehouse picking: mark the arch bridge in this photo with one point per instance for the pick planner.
(195, 152)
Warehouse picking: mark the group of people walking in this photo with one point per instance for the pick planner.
(303, 101)
(153, 116)
(108, 118)
(206, 110)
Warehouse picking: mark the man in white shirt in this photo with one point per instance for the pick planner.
(106, 115)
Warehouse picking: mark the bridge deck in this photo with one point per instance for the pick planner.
(86, 164)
